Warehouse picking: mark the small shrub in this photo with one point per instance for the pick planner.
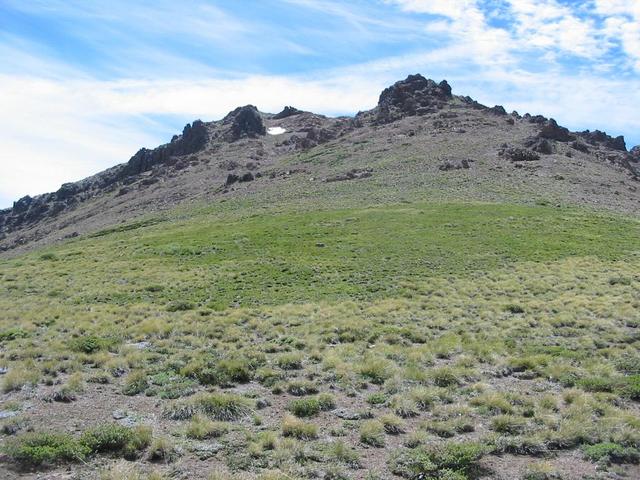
(372, 433)
(88, 344)
(34, 449)
(514, 308)
(438, 461)
(378, 398)
(611, 453)
(117, 439)
(235, 370)
(293, 427)
(180, 306)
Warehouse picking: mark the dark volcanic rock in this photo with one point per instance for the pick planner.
(516, 154)
(245, 122)
(498, 110)
(448, 165)
(598, 137)
(287, 112)
(415, 95)
(581, 147)
(552, 131)
(540, 145)
(634, 153)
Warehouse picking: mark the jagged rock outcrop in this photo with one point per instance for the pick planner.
(288, 111)
(517, 154)
(193, 139)
(245, 122)
(634, 154)
(413, 96)
(597, 137)
(552, 131)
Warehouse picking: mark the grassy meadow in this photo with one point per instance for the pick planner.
(414, 340)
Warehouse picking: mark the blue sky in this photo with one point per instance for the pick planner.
(85, 83)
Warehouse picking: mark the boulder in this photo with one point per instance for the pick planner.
(634, 153)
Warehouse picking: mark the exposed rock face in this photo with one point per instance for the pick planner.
(287, 112)
(552, 131)
(598, 137)
(415, 95)
(193, 139)
(245, 122)
(635, 154)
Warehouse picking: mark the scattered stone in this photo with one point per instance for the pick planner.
(262, 403)
(119, 414)
(7, 414)
(205, 451)
(3, 370)
(139, 345)
(346, 414)
(320, 245)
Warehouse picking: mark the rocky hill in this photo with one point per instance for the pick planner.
(419, 138)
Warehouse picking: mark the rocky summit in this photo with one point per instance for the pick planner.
(414, 139)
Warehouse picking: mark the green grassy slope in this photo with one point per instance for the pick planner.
(448, 313)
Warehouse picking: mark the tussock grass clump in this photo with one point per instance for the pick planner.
(372, 433)
(376, 370)
(309, 407)
(290, 361)
(162, 449)
(301, 388)
(136, 382)
(296, 428)
(201, 427)
(509, 424)
(19, 377)
(393, 424)
(219, 406)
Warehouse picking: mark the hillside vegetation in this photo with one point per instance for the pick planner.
(407, 340)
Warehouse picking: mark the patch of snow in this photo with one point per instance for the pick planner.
(276, 131)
